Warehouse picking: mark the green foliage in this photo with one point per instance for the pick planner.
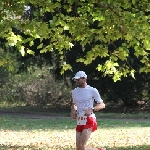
(3, 76)
(8, 60)
(128, 92)
(37, 87)
(8, 63)
(94, 23)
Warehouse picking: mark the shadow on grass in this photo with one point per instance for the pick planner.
(18, 123)
(9, 147)
(138, 147)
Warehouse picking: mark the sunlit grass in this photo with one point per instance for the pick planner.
(48, 134)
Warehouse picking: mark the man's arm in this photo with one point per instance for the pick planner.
(99, 106)
(73, 110)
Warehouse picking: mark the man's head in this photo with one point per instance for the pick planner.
(80, 78)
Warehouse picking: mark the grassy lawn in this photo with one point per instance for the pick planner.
(18, 133)
(47, 111)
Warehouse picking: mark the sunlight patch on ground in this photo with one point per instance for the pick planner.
(121, 137)
(55, 139)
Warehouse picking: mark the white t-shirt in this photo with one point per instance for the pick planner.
(84, 97)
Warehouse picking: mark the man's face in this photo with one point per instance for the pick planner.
(80, 82)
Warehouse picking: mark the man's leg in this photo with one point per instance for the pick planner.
(82, 138)
(78, 134)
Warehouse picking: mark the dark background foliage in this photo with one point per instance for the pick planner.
(36, 80)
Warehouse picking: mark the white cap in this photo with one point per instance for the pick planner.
(80, 74)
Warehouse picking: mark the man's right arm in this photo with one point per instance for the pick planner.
(73, 110)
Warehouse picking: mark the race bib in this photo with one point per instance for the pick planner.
(81, 119)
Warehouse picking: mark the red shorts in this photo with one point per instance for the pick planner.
(91, 123)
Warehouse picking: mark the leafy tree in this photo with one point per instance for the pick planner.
(8, 63)
(99, 24)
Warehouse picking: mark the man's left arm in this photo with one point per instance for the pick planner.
(99, 106)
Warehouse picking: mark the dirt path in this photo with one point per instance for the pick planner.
(41, 116)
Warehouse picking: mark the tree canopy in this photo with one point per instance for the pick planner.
(116, 31)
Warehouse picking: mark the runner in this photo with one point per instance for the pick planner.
(82, 110)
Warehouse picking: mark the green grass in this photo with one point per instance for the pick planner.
(18, 123)
(140, 115)
(19, 133)
(48, 111)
